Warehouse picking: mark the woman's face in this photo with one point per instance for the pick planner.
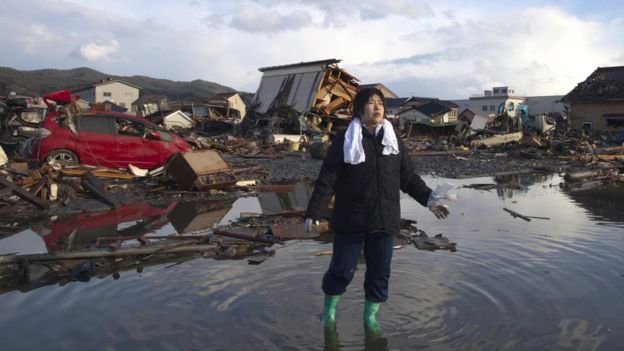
(373, 111)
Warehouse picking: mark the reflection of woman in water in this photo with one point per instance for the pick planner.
(366, 168)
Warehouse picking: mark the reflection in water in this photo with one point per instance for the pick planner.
(193, 216)
(372, 341)
(518, 183)
(517, 285)
(83, 229)
(605, 203)
(295, 199)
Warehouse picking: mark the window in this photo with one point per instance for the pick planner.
(107, 93)
(587, 125)
(129, 128)
(484, 108)
(492, 108)
(122, 104)
(95, 124)
(614, 122)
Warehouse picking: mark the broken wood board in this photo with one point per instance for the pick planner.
(497, 140)
(98, 173)
(22, 193)
(293, 231)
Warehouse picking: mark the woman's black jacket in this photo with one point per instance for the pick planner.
(366, 194)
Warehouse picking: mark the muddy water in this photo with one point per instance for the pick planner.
(517, 285)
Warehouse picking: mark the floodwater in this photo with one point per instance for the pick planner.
(547, 284)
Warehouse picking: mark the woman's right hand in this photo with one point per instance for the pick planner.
(310, 223)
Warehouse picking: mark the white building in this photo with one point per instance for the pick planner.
(116, 91)
(489, 102)
(178, 120)
(543, 105)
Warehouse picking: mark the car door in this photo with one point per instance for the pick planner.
(133, 147)
(96, 141)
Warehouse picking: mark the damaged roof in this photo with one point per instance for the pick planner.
(605, 83)
(300, 64)
(434, 107)
(304, 86)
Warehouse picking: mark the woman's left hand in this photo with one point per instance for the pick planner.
(440, 211)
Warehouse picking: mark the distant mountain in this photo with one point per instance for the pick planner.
(43, 81)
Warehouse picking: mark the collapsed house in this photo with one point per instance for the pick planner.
(598, 102)
(306, 96)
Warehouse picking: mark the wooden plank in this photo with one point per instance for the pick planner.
(498, 139)
(78, 255)
(25, 195)
(293, 231)
(98, 173)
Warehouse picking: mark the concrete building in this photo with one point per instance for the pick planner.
(116, 91)
(598, 102)
(489, 102)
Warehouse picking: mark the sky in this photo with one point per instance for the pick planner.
(448, 49)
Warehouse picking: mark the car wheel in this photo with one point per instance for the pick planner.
(62, 156)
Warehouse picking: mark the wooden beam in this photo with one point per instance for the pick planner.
(25, 195)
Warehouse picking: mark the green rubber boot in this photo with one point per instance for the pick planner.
(329, 311)
(370, 322)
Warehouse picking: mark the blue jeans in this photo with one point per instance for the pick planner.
(346, 251)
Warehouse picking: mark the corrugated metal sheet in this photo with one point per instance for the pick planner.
(289, 87)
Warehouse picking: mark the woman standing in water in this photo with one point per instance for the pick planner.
(366, 168)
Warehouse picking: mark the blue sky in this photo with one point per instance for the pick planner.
(444, 48)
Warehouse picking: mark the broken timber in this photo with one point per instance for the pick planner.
(497, 140)
(8, 259)
(9, 187)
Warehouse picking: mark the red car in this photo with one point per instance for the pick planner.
(100, 138)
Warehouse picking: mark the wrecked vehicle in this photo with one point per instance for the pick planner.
(20, 117)
(99, 138)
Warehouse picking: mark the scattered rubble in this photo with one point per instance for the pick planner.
(281, 138)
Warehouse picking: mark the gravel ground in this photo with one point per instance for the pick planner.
(301, 166)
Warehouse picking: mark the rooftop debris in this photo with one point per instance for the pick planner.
(305, 97)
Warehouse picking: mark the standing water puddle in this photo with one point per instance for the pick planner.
(551, 283)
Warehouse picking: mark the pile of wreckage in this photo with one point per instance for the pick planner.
(311, 97)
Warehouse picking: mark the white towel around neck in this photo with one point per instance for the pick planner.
(353, 149)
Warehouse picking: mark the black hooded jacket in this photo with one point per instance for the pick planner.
(366, 194)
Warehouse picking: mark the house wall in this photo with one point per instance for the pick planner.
(178, 120)
(121, 94)
(87, 95)
(593, 113)
(542, 105)
(235, 102)
(412, 116)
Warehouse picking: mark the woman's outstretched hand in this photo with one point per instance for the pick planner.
(440, 211)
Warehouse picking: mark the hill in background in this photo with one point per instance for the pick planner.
(43, 81)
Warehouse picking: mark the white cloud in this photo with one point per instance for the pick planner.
(252, 19)
(542, 51)
(34, 36)
(445, 48)
(98, 50)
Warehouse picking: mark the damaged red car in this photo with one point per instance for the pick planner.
(100, 138)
